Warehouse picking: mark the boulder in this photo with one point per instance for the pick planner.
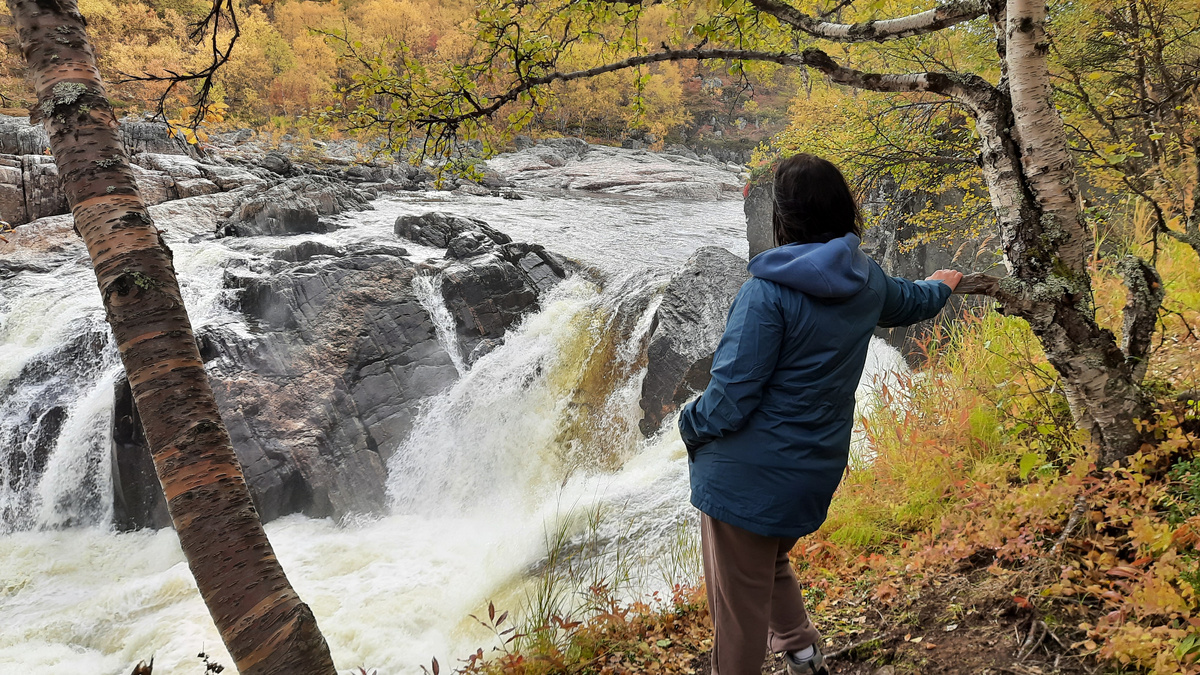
(229, 177)
(323, 389)
(276, 162)
(293, 207)
(176, 166)
(489, 293)
(194, 187)
(307, 250)
(154, 186)
(438, 229)
(687, 328)
(759, 210)
(469, 244)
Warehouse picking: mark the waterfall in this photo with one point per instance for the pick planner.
(536, 439)
(55, 353)
(428, 289)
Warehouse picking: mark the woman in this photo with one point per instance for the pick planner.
(769, 438)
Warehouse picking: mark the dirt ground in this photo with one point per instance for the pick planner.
(972, 624)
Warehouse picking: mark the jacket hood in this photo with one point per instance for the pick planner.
(834, 269)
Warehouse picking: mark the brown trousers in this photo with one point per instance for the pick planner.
(753, 596)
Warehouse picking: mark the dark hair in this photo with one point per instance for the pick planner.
(812, 202)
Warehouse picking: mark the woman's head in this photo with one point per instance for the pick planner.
(813, 202)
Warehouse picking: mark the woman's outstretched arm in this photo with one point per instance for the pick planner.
(908, 302)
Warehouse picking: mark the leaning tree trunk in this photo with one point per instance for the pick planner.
(1035, 192)
(264, 624)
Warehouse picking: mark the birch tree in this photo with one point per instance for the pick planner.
(263, 622)
(525, 48)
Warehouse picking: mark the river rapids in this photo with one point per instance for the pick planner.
(486, 485)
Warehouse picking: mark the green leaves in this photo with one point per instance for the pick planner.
(1029, 462)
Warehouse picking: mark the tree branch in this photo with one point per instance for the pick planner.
(942, 16)
(970, 88)
(1145, 297)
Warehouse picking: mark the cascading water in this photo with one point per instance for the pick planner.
(536, 438)
(428, 289)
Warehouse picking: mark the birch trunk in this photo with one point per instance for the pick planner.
(1031, 176)
(264, 624)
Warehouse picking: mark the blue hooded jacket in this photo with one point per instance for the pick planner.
(769, 438)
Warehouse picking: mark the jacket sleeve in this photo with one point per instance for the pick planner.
(907, 302)
(744, 361)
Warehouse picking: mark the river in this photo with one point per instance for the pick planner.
(481, 490)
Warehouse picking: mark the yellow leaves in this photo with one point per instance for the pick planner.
(1149, 534)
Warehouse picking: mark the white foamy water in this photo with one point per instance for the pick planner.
(540, 432)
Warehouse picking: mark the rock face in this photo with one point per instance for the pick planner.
(438, 229)
(294, 206)
(572, 164)
(329, 384)
(759, 208)
(687, 328)
(165, 167)
(137, 498)
(491, 282)
(328, 373)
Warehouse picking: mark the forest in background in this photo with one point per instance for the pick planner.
(292, 61)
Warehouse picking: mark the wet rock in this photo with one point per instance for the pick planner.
(319, 396)
(469, 244)
(687, 327)
(489, 293)
(276, 162)
(438, 228)
(294, 206)
(759, 210)
(11, 268)
(35, 401)
(485, 347)
(138, 500)
(486, 296)
(307, 250)
(367, 248)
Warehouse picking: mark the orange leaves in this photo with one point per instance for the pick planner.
(887, 592)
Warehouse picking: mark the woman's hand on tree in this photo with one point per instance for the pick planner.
(948, 277)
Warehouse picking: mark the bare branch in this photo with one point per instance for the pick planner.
(942, 16)
(222, 12)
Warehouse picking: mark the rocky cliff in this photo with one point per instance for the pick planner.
(339, 353)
